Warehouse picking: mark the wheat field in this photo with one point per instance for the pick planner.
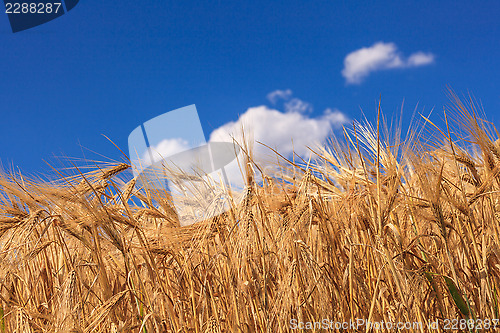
(380, 226)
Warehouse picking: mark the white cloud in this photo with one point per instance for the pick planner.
(274, 96)
(420, 59)
(291, 104)
(380, 56)
(298, 105)
(285, 132)
(165, 148)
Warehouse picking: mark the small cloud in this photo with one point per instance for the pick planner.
(276, 95)
(291, 104)
(380, 56)
(420, 59)
(336, 117)
(298, 105)
(164, 149)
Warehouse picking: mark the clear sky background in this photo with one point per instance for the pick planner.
(106, 67)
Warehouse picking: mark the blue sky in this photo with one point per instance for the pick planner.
(106, 67)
